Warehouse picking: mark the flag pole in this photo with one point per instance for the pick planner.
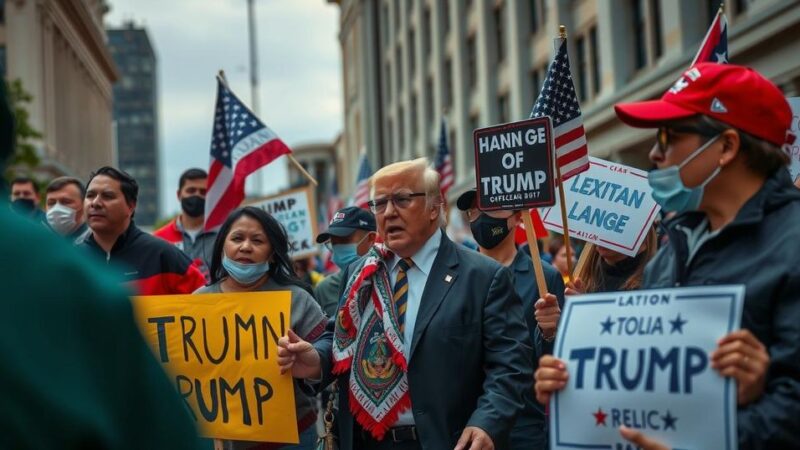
(291, 157)
(530, 234)
(562, 34)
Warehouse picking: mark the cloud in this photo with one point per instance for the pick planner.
(299, 71)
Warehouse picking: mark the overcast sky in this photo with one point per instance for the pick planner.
(299, 73)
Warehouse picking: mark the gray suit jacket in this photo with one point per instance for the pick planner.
(471, 355)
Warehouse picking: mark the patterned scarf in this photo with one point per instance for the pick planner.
(368, 342)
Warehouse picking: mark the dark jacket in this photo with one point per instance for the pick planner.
(612, 277)
(151, 265)
(528, 291)
(760, 248)
(470, 355)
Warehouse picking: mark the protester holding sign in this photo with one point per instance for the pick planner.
(431, 349)
(492, 231)
(721, 168)
(606, 270)
(251, 254)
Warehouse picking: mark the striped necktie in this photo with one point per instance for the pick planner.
(401, 291)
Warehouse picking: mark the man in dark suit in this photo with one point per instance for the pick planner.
(453, 319)
(494, 233)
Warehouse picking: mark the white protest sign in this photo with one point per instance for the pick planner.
(294, 210)
(609, 205)
(794, 148)
(642, 359)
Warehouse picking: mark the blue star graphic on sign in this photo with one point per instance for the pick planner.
(606, 324)
(669, 421)
(677, 324)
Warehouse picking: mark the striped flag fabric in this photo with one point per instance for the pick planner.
(559, 101)
(240, 145)
(715, 45)
(361, 193)
(443, 162)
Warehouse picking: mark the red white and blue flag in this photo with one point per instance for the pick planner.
(240, 145)
(559, 101)
(361, 194)
(443, 162)
(715, 45)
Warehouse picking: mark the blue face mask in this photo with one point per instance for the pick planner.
(244, 274)
(345, 254)
(668, 188)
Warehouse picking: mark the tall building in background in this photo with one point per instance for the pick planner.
(136, 115)
(408, 63)
(57, 49)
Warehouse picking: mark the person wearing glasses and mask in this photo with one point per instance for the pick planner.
(251, 254)
(722, 168)
(493, 231)
(434, 324)
(349, 236)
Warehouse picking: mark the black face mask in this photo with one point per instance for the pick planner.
(488, 231)
(193, 206)
(23, 205)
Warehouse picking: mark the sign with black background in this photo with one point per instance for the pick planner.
(514, 165)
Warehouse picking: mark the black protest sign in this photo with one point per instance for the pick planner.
(514, 165)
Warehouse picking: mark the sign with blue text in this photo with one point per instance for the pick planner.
(514, 165)
(610, 205)
(642, 359)
(295, 210)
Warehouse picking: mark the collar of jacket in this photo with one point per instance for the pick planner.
(127, 236)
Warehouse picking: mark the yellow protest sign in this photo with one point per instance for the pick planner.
(221, 352)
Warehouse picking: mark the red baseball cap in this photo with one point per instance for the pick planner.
(735, 95)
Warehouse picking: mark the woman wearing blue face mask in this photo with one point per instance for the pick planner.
(251, 254)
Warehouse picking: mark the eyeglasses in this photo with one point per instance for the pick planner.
(474, 213)
(400, 201)
(663, 134)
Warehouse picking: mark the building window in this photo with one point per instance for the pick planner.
(426, 32)
(429, 100)
(397, 16)
(401, 129)
(740, 6)
(390, 137)
(639, 38)
(445, 17)
(388, 83)
(538, 14)
(502, 108)
(414, 118)
(473, 122)
(583, 67)
(453, 147)
(499, 29)
(472, 62)
(447, 83)
(656, 36)
(412, 52)
(2, 61)
(595, 60)
(386, 23)
(398, 62)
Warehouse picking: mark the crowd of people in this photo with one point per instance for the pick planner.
(461, 338)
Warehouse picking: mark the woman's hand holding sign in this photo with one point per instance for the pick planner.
(742, 356)
(298, 356)
(575, 287)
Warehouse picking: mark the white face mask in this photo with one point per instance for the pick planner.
(62, 219)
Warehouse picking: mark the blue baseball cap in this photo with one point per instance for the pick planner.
(346, 221)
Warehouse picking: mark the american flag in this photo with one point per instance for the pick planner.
(443, 163)
(715, 45)
(558, 100)
(240, 145)
(361, 194)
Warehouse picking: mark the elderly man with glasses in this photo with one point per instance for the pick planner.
(430, 346)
